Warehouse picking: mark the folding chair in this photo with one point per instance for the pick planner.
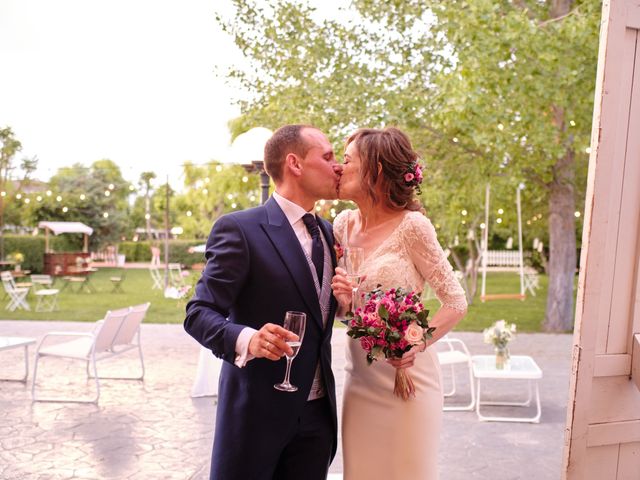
(117, 280)
(156, 278)
(176, 278)
(47, 296)
(17, 295)
(531, 280)
(452, 352)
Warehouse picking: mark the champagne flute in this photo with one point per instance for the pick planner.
(294, 322)
(353, 260)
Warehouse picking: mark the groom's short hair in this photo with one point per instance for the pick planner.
(285, 140)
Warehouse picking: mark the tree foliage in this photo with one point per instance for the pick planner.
(489, 91)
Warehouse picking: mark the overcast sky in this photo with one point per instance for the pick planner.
(129, 80)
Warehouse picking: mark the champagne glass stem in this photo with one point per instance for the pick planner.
(286, 377)
(354, 297)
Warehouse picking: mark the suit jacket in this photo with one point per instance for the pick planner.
(256, 270)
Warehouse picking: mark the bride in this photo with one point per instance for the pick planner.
(383, 436)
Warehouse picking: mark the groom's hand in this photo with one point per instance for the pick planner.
(270, 342)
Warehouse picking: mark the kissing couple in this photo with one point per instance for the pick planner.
(280, 257)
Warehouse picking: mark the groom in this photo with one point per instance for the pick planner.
(261, 263)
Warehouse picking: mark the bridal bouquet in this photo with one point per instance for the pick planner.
(388, 325)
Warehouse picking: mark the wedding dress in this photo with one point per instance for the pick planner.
(383, 436)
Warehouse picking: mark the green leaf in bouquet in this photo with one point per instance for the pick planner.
(383, 313)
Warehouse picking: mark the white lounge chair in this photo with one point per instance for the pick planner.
(117, 333)
(452, 352)
(17, 295)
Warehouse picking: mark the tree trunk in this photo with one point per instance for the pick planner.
(562, 230)
(562, 247)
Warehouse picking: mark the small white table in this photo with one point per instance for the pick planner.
(521, 367)
(7, 343)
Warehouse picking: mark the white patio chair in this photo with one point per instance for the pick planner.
(17, 295)
(88, 347)
(156, 278)
(176, 278)
(452, 352)
(47, 296)
(531, 280)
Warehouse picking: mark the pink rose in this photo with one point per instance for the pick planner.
(367, 343)
(413, 334)
(408, 177)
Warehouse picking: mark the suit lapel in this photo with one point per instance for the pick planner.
(288, 247)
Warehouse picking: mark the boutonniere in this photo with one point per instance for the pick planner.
(339, 250)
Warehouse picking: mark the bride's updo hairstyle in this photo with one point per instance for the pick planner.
(386, 156)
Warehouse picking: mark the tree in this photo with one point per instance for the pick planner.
(210, 191)
(9, 148)
(502, 88)
(95, 195)
(146, 178)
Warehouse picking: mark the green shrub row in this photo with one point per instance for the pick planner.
(32, 247)
(178, 251)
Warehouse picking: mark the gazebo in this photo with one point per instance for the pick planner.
(62, 263)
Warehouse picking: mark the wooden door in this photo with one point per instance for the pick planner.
(603, 421)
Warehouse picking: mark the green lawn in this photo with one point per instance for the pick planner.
(528, 314)
(89, 307)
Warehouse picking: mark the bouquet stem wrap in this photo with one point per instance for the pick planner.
(404, 387)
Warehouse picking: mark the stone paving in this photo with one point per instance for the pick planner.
(155, 430)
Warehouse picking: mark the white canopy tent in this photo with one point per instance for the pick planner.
(58, 228)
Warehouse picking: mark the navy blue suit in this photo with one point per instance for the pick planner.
(256, 270)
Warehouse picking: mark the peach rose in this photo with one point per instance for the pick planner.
(414, 334)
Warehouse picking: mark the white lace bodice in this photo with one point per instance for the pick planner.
(408, 258)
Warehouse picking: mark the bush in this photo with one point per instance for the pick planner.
(178, 251)
(33, 249)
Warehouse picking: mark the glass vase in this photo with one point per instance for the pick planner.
(502, 357)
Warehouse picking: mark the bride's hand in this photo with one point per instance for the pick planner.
(342, 288)
(408, 359)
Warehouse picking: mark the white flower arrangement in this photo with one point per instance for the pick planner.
(499, 334)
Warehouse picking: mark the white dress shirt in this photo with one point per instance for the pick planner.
(294, 214)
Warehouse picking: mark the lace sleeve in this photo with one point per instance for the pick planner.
(339, 226)
(430, 260)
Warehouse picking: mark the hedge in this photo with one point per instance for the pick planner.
(32, 247)
(178, 251)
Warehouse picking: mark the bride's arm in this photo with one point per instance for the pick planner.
(430, 260)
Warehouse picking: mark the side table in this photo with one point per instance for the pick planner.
(521, 367)
(7, 343)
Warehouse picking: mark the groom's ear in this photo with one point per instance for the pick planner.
(294, 164)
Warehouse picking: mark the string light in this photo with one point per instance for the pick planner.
(3, 194)
(111, 186)
(577, 214)
(48, 193)
(245, 179)
(26, 200)
(189, 213)
(219, 168)
(82, 196)
(464, 213)
(105, 214)
(59, 198)
(205, 191)
(107, 193)
(498, 220)
(19, 196)
(252, 198)
(147, 216)
(230, 197)
(39, 198)
(482, 226)
(500, 211)
(65, 209)
(234, 205)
